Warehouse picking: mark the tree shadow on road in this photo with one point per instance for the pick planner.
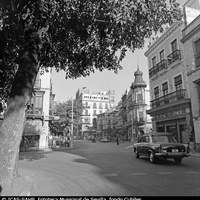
(32, 155)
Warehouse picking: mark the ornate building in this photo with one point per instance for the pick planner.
(94, 103)
(137, 119)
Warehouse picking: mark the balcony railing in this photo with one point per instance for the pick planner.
(176, 55)
(35, 113)
(169, 98)
(160, 66)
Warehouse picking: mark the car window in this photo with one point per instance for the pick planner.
(164, 138)
(145, 139)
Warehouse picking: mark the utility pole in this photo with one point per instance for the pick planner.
(72, 127)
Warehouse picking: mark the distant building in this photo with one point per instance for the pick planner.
(107, 123)
(94, 103)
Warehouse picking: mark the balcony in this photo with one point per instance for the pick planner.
(174, 56)
(35, 113)
(159, 67)
(170, 98)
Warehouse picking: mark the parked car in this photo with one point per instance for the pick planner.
(104, 139)
(161, 145)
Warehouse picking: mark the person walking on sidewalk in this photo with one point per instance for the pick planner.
(117, 139)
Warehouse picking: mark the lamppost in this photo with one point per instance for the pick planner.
(72, 127)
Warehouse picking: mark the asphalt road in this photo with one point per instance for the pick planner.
(107, 169)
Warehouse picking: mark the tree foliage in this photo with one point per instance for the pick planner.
(77, 36)
(64, 111)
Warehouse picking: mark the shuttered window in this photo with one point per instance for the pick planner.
(178, 80)
(156, 90)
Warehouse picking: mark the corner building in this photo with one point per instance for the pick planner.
(191, 43)
(170, 97)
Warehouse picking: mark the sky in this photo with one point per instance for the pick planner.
(65, 89)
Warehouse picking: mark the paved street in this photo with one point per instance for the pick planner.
(108, 169)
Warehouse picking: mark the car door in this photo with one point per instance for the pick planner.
(140, 146)
(146, 145)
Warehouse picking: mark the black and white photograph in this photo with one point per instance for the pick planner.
(99, 99)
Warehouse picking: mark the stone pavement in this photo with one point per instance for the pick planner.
(23, 183)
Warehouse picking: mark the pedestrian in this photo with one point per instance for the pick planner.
(117, 139)
(185, 137)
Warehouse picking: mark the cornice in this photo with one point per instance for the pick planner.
(193, 30)
(165, 35)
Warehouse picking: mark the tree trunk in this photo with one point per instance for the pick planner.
(13, 124)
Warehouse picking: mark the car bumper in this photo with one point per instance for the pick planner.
(171, 155)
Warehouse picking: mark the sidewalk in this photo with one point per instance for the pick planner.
(23, 184)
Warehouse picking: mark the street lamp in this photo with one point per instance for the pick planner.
(72, 127)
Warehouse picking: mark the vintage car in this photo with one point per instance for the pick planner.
(104, 139)
(160, 145)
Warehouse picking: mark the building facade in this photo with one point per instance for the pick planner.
(136, 106)
(191, 43)
(40, 112)
(170, 97)
(107, 123)
(93, 103)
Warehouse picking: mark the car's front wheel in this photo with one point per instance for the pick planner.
(152, 157)
(136, 154)
(178, 160)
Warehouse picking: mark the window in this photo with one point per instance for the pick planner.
(197, 52)
(139, 98)
(94, 112)
(141, 117)
(174, 45)
(38, 104)
(86, 112)
(156, 92)
(165, 92)
(106, 106)
(162, 55)
(94, 105)
(154, 61)
(178, 86)
(165, 88)
(178, 82)
(100, 106)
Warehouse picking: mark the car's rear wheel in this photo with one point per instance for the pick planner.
(136, 154)
(152, 157)
(178, 160)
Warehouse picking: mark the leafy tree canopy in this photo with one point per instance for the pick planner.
(64, 111)
(77, 36)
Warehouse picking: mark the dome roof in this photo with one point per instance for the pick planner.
(138, 82)
(138, 72)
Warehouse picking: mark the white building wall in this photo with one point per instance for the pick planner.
(45, 86)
